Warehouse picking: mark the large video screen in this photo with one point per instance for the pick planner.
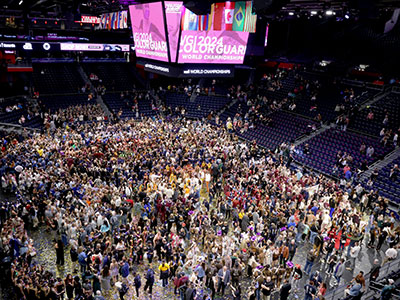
(148, 30)
(173, 12)
(216, 47)
(219, 37)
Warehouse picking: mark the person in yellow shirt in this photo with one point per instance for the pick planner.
(164, 273)
(241, 214)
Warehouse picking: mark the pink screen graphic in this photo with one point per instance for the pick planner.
(173, 11)
(149, 31)
(213, 47)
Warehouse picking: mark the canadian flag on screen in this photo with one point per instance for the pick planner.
(229, 11)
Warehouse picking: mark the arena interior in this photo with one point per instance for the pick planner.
(199, 150)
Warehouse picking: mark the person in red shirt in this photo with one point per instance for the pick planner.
(322, 289)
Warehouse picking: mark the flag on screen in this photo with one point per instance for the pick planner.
(203, 22)
(116, 20)
(193, 20)
(123, 18)
(112, 20)
(211, 17)
(108, 21)
(218, 15)
(250, 18)
(102, 21)
(105, 24)
(238, 17)
(229, 12)
(120, 19)
(247, 18)
(185, 19)
(126, 19)
(253, 23)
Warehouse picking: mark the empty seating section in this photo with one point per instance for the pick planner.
(285, 129)
(325, 146)
(200, 107)
(327, 99)
(386, 187)
(238, 107)
(115, 103)
(388, 105)
(56, 78)
(288, 84)
(220, 88)
(114, 76)
(55, 103)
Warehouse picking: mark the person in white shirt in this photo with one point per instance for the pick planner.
(391, 254)
(208, 179)
(370, 151)
(355, 250)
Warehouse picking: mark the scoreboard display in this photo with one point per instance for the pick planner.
(169, 32)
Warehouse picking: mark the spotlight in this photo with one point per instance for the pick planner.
(329, 13)
(20, 2)
(313, 12)
(347, 16)
(291, 13)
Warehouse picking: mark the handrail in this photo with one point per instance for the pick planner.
(396, 89)
(353, 82)
(339, 292)
(374, 86)
(3, 99)
(17, 126)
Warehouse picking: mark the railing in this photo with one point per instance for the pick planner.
(359, 83)
(352, 82)
(374, 86)
(51, 60)
(16, 127)
(338, 293)
(396, 89)
(18, 97)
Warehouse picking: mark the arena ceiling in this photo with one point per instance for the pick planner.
(60, 7)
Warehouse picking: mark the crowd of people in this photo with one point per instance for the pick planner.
(209, 214)
(73, 114)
